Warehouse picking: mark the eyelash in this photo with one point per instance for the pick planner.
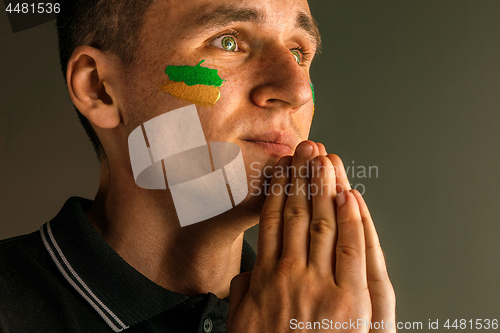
(303, 51)
(233, 33)
(305, 54)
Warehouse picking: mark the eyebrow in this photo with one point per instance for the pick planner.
(310, 25)
(224, 15)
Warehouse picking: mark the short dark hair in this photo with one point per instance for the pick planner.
(108, 25)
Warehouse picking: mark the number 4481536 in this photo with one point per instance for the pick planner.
(477, 324)
(40, 8)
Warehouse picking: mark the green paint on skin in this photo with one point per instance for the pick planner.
(312, 89)
(194, 75)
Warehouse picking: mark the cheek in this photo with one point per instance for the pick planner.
(194, 84)
(200, 95)
(305, 123)
(228, 113)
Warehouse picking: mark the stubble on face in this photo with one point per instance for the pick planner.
(176, 33)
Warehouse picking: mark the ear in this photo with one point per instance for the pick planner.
(90, 77)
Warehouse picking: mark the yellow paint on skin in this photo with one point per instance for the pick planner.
(199, 94)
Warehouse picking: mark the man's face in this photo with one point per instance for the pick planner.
(262, 49)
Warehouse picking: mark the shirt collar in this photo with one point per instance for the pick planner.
(120, 294)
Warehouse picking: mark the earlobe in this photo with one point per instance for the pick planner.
(90, 88)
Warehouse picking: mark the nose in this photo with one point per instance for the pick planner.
(281, 81)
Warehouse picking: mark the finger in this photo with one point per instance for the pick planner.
(379, 284)
(239, 288)
(270, 237)
(297, 212)
(321, 148)
(341, 175)
(323, 227)
(350, 269)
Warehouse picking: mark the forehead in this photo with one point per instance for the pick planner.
(185, 18)
(183, 9)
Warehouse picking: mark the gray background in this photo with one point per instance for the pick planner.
(411, 87)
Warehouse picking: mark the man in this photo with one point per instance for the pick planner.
(123, 262)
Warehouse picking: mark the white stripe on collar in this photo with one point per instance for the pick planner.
(93, 300)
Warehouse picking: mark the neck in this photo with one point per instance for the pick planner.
(142, 227)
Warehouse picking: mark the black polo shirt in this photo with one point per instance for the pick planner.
(66, 278)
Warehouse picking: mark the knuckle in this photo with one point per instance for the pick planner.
(321, 225)
(375, 247)
(378, 277)
(268, 227)
(348, 251)
(296, 213)
(346, 220)
(269, 219)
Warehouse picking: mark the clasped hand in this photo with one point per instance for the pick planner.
(319, 258)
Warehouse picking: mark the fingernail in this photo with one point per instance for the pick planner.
(341, 199)
(304, 150)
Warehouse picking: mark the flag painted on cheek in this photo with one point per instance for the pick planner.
(197, 85)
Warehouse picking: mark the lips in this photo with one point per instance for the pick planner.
(277, 142)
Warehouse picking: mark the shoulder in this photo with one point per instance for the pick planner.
(34, 297)
(17, 251)
(26, 272)
(22, 260)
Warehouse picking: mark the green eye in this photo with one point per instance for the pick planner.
(296, 55)
(229, 43)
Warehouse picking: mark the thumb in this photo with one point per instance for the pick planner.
(239, 287)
